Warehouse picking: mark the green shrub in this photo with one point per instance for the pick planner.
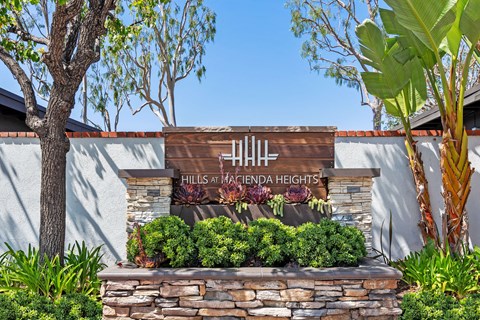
(432, 270)
(221, 243)
(328, 244)
(166, 239)
(438, 306)
(218, 242)
(78, 306)
(271, 241)
(22, 305)
(19, 269)
(89, 265)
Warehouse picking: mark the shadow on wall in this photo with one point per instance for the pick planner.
(18, 170)
(96, 204)
(393, 191)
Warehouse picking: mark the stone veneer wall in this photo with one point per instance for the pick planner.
(351, 199)
(147, 199)
(261, 293)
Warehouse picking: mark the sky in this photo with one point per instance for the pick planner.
(255, 77)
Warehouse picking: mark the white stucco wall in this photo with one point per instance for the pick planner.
(96, 205)
(394, 190)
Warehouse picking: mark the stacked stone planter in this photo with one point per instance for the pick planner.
(365, 292)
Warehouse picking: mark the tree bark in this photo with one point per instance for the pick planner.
(428, 227)
(456, 179)
(54, 146)
(377, 117)
(52, 196)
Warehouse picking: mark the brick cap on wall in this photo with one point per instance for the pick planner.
(368, 269)
(129, 134)
(132, 134)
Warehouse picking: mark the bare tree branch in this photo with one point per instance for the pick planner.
(330, 46)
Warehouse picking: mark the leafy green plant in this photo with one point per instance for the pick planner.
(271, 241)
(427, 305)
(404, 92)
(328, 244)
(429, 38)
(221, 243)
(24, 271)
(321, 206)
(190, 194)
(433, 270)
(277, 203)
(165, 241)
(297, 193)
(89, 262)
(21, 270)
(22, 305)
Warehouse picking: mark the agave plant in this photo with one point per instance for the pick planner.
(258, 194)
(297, 193)
(189, 193)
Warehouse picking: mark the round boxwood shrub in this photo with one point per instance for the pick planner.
(328, 244)
(271, 241)
(166, 240)
(221, 243)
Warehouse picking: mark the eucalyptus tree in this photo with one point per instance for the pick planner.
(331, 45)
(162, 45)
(63, 37)
(433, 32)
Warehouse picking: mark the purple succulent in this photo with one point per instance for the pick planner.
(258, 194)
(231, 191)
(297, 194)
(189, 193)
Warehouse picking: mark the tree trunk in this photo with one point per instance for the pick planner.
(428, 227)
(456, 179)
(54, 146)
(52, 196)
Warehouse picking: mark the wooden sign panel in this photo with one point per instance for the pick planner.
(273, 156)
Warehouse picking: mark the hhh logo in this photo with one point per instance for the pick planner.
(253, 156)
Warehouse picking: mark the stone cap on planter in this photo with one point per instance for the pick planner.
(349, 172)
(148, 173)
(368, 269)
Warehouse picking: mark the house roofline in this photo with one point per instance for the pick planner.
(15, 102)
(472, 95)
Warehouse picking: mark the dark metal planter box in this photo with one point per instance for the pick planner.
(293, 214)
